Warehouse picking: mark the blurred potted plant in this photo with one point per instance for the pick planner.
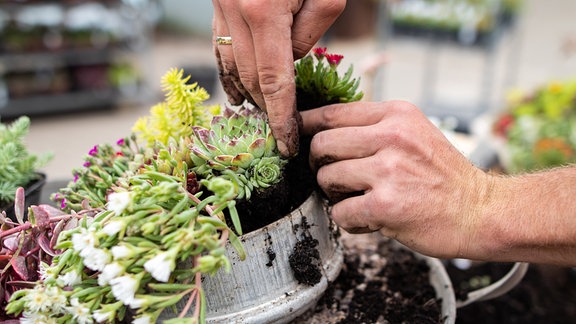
(181, 189)
(537, 129)
(18, 166)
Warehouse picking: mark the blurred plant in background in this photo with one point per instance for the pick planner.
(18, 166)
(539, 128)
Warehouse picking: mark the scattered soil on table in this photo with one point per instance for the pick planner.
(379, 283)
(546, 294)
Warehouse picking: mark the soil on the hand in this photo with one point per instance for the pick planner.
(379, 283)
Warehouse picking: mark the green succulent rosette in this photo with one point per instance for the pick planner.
(239, 146)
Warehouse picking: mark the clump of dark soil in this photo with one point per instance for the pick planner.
(305, 257)
(379, 283)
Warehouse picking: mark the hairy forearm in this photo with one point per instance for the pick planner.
(531, 218)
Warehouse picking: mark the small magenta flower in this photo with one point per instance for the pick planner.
(86, 164)
(63, 203)
(76, 177)
(121, 142)
(334, 59)
(319, 52)
(93, 151)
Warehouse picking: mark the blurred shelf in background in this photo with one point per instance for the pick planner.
(58, 56)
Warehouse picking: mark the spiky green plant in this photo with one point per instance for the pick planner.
(239, 146)
(181, 109)
(18, 166)
(318, 82)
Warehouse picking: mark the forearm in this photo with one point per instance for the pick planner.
(531, 218)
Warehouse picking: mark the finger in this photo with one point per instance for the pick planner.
(242, 51)
(235, 97)
(342, 115)
(353, 215)
(273, 39)
(343, 144)
(227, 71)
(342, 177)
(311, 22)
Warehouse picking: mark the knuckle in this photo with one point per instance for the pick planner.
(332, 7)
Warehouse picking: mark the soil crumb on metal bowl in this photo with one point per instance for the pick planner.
(305, 258)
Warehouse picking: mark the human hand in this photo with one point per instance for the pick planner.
(386, 167)
(268, 36)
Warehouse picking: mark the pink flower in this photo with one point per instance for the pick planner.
(87, 164)
(334, 59)
(319, 52)
(93, 151)
(120, 142)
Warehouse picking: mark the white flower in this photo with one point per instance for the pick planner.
(95, 259)
(57, 298)
(101, 316)
(35, 318)
(113, 227)
(71, 278)
(37, 301)
(138, 302)
(45, 271)
(121, 252)
(83, 240)
(161, 266)
(110, 271)
(79, 312)
(124, 288)
(119, 201)
(144, 319)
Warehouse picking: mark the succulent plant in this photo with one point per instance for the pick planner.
(318, 82)
(239, 146)
(18, 166)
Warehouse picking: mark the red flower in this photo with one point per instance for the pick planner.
(503, 124)
(119, 153)
(334, 59)
(319, 52)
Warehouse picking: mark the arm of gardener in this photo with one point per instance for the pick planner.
(532, 218)
(386, 167)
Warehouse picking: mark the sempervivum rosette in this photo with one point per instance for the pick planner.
(240, 147)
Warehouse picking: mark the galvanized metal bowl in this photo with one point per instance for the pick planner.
(263, 288)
